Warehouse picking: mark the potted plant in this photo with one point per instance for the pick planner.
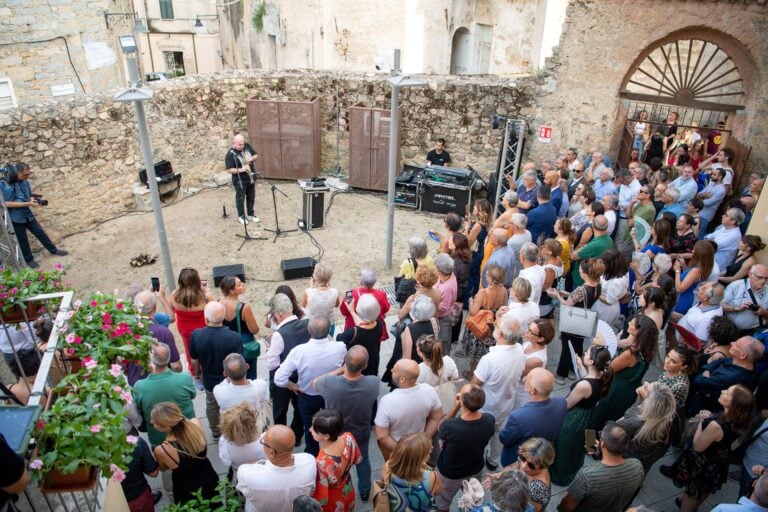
(108, 330)
(83, 432)
(226, 501)
(17, 287)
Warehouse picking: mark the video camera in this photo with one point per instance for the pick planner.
(9, 173)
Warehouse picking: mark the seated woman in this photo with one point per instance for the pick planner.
(366, 331)
(659, 242)
(535, 457)
(683, 238)
(722, 332)
(188, 301)
(743, 261)
(412, 485)
(239, 442)
(184, 453)
(338, 453)
(629, 367)
(649, 425)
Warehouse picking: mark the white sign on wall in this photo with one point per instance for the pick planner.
(98, 54)
(62, 89)
(545, 134)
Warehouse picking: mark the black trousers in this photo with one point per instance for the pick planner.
(281, 399)
(566, 364)
(245, 193)
(36, 229)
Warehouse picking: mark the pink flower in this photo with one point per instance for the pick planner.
(78, 340)
(119, 305)
(58, 266)
(70, 338)
(107, 318)
(90, 363)
(36, 464)
(118, 475)
(95, 429)
(94, 303)
(69, 351)
(132, 439)
(126, 396)
(69, 314)
(116, 370)
(78, 303)
(117, 389)
(104, 327)
(13, 291)
(28, 283)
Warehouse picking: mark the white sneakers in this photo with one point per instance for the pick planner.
(242, 220)
(249, 218)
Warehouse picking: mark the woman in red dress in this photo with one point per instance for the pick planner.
(338, 452)
(188, 302)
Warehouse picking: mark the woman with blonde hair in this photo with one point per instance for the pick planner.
(184, 453)
(412, 485)
(521, 307)
(320, 299)
(535, 340)
(476, 232)
(535, 457)
(239, 442)
(648, 425)
(435, 368)
(554, 269)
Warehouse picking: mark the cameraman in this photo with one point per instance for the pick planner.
(20, 201)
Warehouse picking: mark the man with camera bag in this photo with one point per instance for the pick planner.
(20, 200)
(239, 163)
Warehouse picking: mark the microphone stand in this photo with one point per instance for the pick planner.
(246, 237)
(277, 231)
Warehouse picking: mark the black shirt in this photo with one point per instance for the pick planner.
(438, 159)
(209, 346)
(12, 469)
(463, 445)
(368, 338)
(236, 159)
(142, 463)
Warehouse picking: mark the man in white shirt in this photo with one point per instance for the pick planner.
(318, 356)
(236, 388)
(498, 373)
(712, 195)
(727, 237)
(287, 332)
(746, 300)
(723, 159)
(531, 270)
(686, 185)
(409, 408)
(698, 318)
(272, 484)
(629, 187)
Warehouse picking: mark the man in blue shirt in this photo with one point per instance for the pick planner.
(686, 185)
(19, 200)
(756, 503)
(541, 220)
(671, 204)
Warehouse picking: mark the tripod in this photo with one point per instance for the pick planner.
(277, 231)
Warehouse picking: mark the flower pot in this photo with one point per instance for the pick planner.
(15, 315)
(83, 479)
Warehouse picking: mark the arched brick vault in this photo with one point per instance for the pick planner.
(739, 53)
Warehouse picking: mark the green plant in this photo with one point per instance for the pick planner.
(84, 426)
(258, 16)
(105, 328)
(16, 287)
(226, 501)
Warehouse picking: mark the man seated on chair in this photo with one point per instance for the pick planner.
(697, 319)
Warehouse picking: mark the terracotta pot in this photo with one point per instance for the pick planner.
(15, 315)
(83, 479)
(75, 364)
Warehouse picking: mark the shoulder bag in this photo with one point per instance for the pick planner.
(578, 321)
(380, 496)
(404, 288)
(251, 347)
(480, 323)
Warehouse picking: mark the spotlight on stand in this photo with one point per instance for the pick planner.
(497, 120)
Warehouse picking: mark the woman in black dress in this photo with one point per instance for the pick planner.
(422, 314)
(184, 453)
(366, 331)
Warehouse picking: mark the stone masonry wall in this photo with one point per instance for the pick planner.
(85, 152)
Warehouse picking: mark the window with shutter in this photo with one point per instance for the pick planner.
(7, 98)
(166, 9)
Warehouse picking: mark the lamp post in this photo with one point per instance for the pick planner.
(396, 81)
(138, 95)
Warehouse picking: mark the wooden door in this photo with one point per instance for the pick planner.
(369, 148)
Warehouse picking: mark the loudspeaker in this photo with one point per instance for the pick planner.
(223, 271)
(313, 209)
(297, 267)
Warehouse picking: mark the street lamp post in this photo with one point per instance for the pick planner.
(396, 81)
(138, 95)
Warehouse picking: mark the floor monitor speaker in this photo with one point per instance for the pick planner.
(220, 272)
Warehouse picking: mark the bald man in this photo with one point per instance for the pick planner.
(273, 484)
(239, 163)
(208, 347)
(541, 417)
(409, 408)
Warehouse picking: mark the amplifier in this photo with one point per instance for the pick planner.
(445, 198)
(163, 172)
(223, 271)
(407, 195)
(297, 267)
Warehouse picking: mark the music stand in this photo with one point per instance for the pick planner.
(277, 231)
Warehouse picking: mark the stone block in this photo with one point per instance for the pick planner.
(222, 178)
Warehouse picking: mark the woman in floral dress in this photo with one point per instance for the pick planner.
(338, 453)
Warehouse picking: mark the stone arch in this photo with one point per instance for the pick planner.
(462, 48)
(732, 55)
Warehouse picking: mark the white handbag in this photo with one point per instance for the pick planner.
(578, 321)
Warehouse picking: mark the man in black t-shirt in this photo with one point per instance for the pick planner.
(438, 156)
(135, 487)
(13, 475)
(239, 163)
(463, 440)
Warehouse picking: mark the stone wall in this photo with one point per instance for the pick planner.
(85, 151)
(601, 39)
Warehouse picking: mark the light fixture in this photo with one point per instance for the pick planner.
(198, 23)
(139, 27)
(127, 44)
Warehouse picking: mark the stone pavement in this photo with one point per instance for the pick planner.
(658, 493)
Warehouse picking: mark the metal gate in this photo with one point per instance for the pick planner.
(369, 148)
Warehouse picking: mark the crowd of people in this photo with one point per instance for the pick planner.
(639, 253)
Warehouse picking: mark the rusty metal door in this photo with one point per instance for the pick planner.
(369, 148)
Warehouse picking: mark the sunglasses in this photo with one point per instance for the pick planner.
(265, 444)
(527, 462)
